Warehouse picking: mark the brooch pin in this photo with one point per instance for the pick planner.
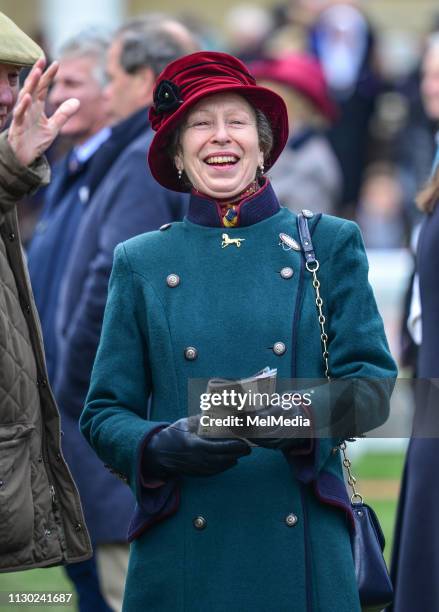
(288, 243)
(226, 241)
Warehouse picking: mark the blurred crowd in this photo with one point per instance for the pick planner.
(379, 135)
(362, 119)
(363, 113)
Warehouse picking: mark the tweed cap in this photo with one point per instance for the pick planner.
(16, 47)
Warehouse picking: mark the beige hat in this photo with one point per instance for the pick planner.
(15, 46)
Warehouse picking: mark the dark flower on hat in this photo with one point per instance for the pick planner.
(167, 97)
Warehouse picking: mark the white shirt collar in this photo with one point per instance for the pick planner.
(85, 150)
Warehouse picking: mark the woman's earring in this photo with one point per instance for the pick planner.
(180, 174)
(261, 167)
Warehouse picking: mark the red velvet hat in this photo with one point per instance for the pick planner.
(301, 72)
(183, 83)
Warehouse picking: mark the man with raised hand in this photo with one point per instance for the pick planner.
(41, 521)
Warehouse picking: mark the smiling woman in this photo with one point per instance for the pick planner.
(219, 146)
(222, 525)
(250, 116)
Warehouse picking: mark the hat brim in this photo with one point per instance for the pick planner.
(16, 47)
(270, 103)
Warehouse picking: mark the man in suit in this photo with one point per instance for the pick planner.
(81, 74)
(127, 202)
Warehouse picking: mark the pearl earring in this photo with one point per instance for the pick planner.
(180, 174)
(261, 167)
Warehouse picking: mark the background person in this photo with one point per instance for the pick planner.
(81, 73)
(178, 308)
(416, 532)
(41, 522)
(343, 40)
(380, 212)
(307, 173)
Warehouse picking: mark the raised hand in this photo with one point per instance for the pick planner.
(31, 131)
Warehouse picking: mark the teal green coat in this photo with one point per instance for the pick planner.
(233, 305)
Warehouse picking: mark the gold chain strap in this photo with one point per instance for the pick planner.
(319, 304)
(352, 481)
(312, 267)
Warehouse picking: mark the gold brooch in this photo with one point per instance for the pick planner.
(226, 241)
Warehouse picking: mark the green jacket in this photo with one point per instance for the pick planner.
(41, 521)
(276, 529)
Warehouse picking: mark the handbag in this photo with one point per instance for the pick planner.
(373, 580)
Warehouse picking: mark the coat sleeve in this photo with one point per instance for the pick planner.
(135, 204)
(114, 418)
(16, 180)
(361, 367)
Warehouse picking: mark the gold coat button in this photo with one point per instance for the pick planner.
(199, 522)
(291, 520)
(287, 273)
(190, 353)
(172, 280)
(279, 348)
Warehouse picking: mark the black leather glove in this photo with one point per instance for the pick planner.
(177, 449)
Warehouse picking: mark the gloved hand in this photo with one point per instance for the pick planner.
(177, 449)
(276, 433)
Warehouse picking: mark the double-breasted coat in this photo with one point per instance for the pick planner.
(273, 532)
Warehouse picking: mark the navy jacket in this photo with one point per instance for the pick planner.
(50, 247)
(127, 202)
(417, 531)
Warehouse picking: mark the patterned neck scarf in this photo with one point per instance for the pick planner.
(230, 208)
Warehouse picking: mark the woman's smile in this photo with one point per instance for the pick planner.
(222, 160)
(219, 147)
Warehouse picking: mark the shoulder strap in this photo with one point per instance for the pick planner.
(305, 238)
(312, 265)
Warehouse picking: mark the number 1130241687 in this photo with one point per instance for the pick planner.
(36, 598)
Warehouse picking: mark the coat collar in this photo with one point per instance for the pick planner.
(257, 207)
